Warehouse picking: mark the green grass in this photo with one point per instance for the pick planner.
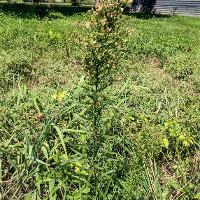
(154, 99)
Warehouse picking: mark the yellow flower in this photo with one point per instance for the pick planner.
(77, 169)
(181, 137)
(59, 96)
(186, 143)
(165, 142)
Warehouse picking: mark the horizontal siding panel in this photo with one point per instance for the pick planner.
(177, 7)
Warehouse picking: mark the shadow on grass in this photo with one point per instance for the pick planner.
(28, 10)
(147, 15)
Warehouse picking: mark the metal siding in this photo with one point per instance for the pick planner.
(178, 7)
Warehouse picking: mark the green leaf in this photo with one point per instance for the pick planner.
(31, 196)
(197, 196)
(37, 104)
(174, 184)
(45, 152)
(40, 161)
(73, 131)
(165, 194)
(60, 134)
(0, 172)
(86, 190)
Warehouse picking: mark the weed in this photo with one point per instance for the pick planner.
(144, 109)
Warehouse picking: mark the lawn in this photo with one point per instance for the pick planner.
(154, 112)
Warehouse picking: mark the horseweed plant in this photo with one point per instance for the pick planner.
(104, 50)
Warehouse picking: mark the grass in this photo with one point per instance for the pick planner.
(154, 103)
